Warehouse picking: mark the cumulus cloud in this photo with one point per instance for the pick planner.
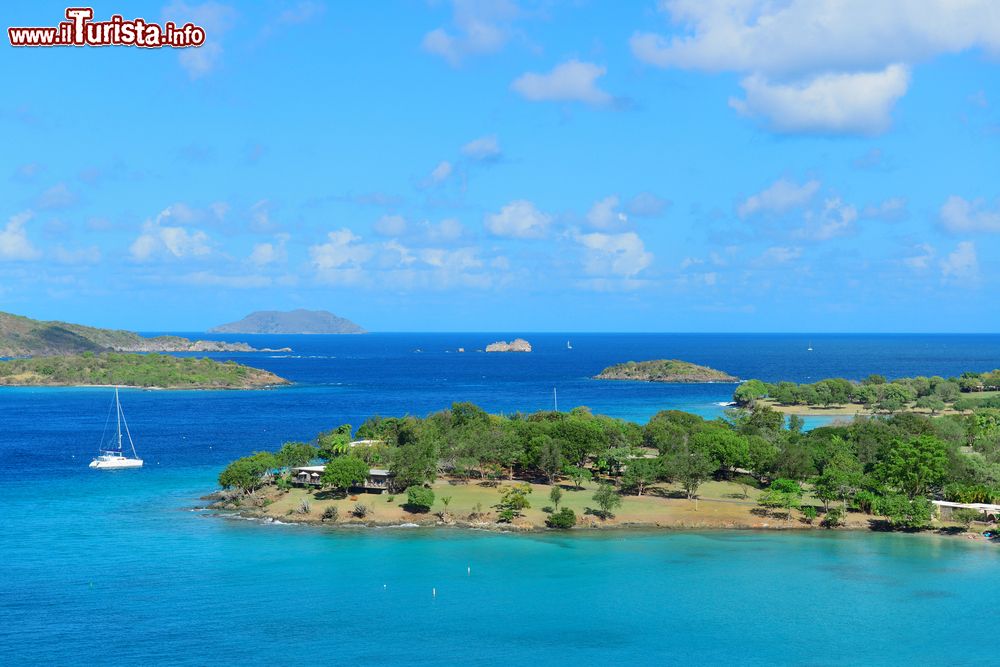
(921, 260)
(796, 52)
(646, 205)
(780, 197)
(340, 259)
(604, 214)
(165, 241)
(571, 81)
(777, 255)
(835, 219)
(58, 196)
(479, 27)
(848, 103)
(892, 209)
(518, 219)
(86, 255)
(440, 173)
(14, 242)
(621, 255)
(216, 18)
(959, 215)
(390, 225)
(483, 149)
(270, 253)
(961, 266)
(448, 230)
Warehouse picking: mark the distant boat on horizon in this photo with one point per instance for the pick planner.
(113, 457)
(810, 348)
(569, 346)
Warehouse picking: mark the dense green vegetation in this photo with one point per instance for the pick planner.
(888, 465)
(134, 370)
(932, 394)
(664, 370)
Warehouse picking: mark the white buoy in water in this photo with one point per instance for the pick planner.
(470, 570)
(434, 592)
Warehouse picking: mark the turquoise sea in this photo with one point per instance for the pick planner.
(119, 568)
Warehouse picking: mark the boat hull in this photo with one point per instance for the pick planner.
(114, 464)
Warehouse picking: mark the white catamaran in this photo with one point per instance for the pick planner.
(111, 457)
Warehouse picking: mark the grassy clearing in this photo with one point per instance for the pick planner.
(719, 505)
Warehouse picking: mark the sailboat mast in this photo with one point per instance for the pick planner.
(118, 412)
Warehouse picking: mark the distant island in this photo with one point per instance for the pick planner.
(516, 345)
(664, 370)
(134, 370)
(24, 337)
(298, 321)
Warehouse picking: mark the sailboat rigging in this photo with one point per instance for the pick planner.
(114, 456)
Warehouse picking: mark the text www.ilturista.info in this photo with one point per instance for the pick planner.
(80, 30)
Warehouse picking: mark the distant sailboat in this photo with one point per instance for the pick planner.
(568, 346)
(113, 457)
(810, 348)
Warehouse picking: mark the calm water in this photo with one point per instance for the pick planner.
(115, 568)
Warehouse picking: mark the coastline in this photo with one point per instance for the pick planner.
(662, 510)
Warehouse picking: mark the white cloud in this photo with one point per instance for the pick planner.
(341, 258)
(14, 242)
(158, 240)
(390, 225)
(448, 230)
(571, 81)
(87, 255)
(646, 205)
(216, 18)
(617, 254)
(777, 255)
(58, 196)
(848, 103)
(270, 253)
(889, 210)
(604, 214)
(780, 197)
(922, 260)
(807, 44)
(518, 219)
(480, 27)
(441, 172)
(835, 219)
(483, 149)
(959, 215)
(260, 216)
(961, 266)
(209, 279)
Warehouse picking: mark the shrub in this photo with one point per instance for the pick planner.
(965, 516)
(419, 499)
(865, 501)
(834, 517)
(506, 515)
(563, 519)
(303, 507)
(331, 513)
(809, 512)
(360, 510)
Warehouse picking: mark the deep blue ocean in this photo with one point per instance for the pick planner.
(118, 568)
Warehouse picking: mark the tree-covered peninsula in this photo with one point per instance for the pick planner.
(751, 469)
(664, 370)
(875, 394)
(158, 371)
(24, 337)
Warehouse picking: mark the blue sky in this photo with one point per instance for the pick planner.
(683, 166)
